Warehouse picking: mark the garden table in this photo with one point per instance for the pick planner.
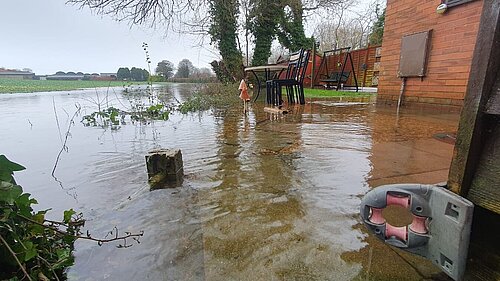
(267, 69)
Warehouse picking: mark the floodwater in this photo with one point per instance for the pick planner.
(264, 197)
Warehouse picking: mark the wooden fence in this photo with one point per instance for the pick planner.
(366, 66)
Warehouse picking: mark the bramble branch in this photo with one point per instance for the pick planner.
(117, 237)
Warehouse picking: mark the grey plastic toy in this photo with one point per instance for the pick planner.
(440, 228)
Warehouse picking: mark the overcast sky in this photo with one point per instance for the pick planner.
(48, 36)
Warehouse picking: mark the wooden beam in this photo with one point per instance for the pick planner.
(484, 68)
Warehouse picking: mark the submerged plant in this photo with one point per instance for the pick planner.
(213, 96)
(104, 118)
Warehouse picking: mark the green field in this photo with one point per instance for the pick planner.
(321, 93)
(30, 86)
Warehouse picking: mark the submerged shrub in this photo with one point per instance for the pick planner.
(213, 96)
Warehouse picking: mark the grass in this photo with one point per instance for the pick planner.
(321, 93)
(30, 86)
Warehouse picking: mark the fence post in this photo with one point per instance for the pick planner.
(313, 67)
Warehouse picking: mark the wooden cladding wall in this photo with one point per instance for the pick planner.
(365, 61)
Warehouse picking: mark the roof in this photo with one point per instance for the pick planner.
(16, 73)
(65, 76)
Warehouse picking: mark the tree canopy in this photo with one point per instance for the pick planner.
(277, 19)
(138, 74)
(123, 73)
(165, 69)
(223, 32)
(185, 69)
(378, 28)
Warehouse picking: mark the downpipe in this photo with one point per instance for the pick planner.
(401, 93)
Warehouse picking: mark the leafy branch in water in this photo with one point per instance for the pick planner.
(110, 116)
(33, 247)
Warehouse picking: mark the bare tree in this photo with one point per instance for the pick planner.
(349, 27)
(146, 12)
(245, 18)
(312, 5)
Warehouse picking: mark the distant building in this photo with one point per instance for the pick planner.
(105, 77)
(40, 77)
(15, 74)
(108, 75)
(65, 76)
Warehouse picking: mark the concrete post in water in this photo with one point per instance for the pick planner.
(165, 168)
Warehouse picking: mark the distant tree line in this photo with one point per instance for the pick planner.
(132, 74)
(164, 71)
(70, 75)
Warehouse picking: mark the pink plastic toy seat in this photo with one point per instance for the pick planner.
(418, 225)
(400, 233)
(403, 201)
(376, 216)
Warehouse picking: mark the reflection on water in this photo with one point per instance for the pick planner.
(264, 197)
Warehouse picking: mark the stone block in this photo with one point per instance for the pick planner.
(165, 168)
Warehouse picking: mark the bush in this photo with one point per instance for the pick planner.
(31, 246)
(157, 78)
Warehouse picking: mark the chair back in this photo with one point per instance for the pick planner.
(293, 64)
(303, 64)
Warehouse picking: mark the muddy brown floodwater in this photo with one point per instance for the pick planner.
(264, 197)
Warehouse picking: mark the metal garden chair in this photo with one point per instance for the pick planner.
(293, 81)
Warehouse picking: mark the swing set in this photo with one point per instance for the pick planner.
(338, 75)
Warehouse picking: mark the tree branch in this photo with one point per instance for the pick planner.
(64, 147)
(50, 266)
(88, 237)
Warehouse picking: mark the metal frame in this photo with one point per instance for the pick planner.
(347, 56)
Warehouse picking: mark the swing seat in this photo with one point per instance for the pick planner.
(336, 77)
